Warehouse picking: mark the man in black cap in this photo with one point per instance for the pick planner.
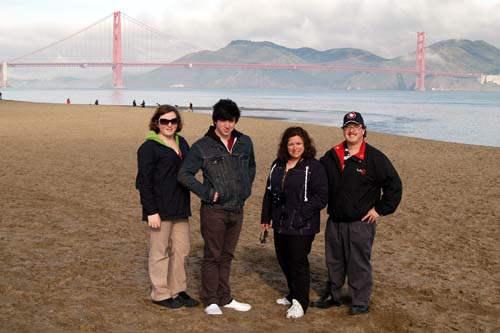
(363, 185)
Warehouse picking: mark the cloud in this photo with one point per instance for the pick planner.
(385, 27)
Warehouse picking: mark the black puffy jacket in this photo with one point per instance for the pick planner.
(158, 166)
(293, 200)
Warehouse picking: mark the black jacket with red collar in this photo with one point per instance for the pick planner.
(365, 180)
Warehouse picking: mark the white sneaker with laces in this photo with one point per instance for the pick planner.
(295, 311)
(283, 301)
(235, 305)
(213, 309)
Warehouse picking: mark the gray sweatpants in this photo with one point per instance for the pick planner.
(348, 247)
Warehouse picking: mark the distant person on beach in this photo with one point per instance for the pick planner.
(68, 101)
(226, 159)
(363, 185)
(296, 192)
(165, 207)
(190, 107)
(96, 102)
(143, 104)
(134, 104)
(0, 95)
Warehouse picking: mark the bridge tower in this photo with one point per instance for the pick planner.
(3, 75)
(420, 62)
(117, 51)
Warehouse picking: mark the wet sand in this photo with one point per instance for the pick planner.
(74, 254)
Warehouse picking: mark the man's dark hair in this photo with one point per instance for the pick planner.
(309, 148)
(225, 109)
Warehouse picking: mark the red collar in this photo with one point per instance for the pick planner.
(339, 150)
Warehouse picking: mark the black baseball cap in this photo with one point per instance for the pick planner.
(353, 117)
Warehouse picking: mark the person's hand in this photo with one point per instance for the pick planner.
(154, 221)
(264, 233)
(216, 196)
(371, 216)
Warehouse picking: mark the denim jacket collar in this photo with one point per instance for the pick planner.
(211, 133)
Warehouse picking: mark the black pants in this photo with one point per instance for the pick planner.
(220, 231)
(292, 252)
(348, 248)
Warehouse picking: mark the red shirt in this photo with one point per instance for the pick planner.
(230, 143)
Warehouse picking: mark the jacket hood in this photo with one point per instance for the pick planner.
(153, 136)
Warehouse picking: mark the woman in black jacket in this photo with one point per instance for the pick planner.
(296, 191)
(165, 207)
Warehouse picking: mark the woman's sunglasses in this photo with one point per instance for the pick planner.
(164, 122)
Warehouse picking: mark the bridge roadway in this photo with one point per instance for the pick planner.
(243, 66)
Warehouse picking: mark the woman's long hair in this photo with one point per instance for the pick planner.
(309, 148)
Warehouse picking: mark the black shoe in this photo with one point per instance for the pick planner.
(359, 309)
(186, 300)
(326, 301)
(171, 303)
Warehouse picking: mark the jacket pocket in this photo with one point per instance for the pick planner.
(298, 222)
(216, 168)
(214, 177)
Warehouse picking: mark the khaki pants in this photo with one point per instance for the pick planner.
(168, 248)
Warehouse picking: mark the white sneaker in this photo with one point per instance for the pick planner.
(213, 309)
(238, 306)
(283, 301)
(295, 311)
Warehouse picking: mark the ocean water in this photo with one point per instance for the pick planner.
(464, 117)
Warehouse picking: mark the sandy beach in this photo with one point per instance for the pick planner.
(74, 254)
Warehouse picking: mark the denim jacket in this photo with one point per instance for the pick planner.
(231, 174)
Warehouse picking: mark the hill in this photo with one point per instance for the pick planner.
(260, 52)
(450, 56)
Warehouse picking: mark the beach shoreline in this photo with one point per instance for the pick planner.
(208, 109)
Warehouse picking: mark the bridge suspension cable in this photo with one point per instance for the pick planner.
(62, 40)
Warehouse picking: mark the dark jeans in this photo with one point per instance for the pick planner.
(348, 248)
(220, 231)
(292, 252)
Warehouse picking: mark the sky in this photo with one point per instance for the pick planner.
(384, 27)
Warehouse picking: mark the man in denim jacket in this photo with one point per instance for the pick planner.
(227, 160)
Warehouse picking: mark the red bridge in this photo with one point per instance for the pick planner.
(151, 36)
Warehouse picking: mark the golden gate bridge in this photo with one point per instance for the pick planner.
(151, 44)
